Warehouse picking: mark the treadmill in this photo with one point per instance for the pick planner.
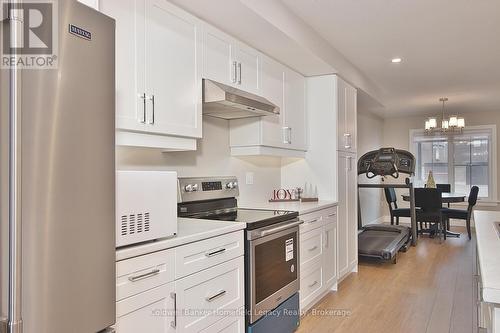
(381, 241)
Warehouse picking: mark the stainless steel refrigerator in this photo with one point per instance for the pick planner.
(57, 181)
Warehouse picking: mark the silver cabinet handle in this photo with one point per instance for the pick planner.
(239, 70)
(136, 278)
(312, 221)
(214, 297)
(214, 253)
(313, 248)
(313, 284)
(152, 99)
(287, 135)
(174, 322)
(327, 239)
(332, 215)
(235, 72)
(347, 141)
(143, 97)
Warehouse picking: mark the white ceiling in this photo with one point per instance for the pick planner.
(449, 48)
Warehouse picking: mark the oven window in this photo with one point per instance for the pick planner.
(275, 265)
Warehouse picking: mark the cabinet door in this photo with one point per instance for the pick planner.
(173, 70)
(150, 311)
(342, 222)
(217, 57)
(295, 110)
(248, 69)
(330, 252)
(273, 89)
(343, 138)
(352, 212)
(351, 117)
(130, 75)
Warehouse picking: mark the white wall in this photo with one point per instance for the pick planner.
(370, 137)
(319, 168)
(212, 158)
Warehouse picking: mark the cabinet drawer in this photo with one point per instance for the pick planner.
(231, 324)
(145, 272)
(311, 246)
(311, 285)
(206, 297)
(150, 311)
(195, 257)
(311, 221)
(329, 215)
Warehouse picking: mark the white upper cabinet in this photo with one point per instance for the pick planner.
(173, 70)
(248, 68)
(158, 86)
(347, 116)
(283, 135)
(295, 130)
(273, 88)
(228, 61)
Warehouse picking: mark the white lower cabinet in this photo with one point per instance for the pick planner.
(318, 256)
(208, 296)
(150, 311)
(163, 292)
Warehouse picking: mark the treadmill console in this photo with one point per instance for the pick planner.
(386, 162)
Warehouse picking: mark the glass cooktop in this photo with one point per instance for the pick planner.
(254, 218)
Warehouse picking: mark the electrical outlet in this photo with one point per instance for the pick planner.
(249, 178)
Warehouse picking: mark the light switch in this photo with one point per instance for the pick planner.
(249, 178)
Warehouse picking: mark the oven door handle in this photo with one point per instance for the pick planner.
(266, 232)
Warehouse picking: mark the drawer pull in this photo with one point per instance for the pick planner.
(154, 272)
(174, 297)
(219, 294)
(313, 221)
(214, 253)
(313, 284)
(332, 215)
(313, 248)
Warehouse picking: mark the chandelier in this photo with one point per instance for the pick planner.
(454, 123)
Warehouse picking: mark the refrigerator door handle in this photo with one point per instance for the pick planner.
(14, 322)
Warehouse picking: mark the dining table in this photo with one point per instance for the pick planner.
(447, 198)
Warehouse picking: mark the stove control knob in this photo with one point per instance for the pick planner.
(231, 185)
(195, 187)
(188, 188)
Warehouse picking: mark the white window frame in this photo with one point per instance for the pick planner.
(493, 198)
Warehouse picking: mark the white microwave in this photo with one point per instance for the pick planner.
(146, 206)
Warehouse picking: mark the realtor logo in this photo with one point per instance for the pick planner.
(36, 27)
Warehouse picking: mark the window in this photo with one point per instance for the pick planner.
(462, 160)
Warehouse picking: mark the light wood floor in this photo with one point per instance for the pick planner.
(430, 289)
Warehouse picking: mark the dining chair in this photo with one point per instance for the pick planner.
(445, 188)
(430, 204)
(394, 210)
(460, 214)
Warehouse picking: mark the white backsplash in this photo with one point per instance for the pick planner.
(212, 158)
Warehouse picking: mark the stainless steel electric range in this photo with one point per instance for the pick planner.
(271, 250)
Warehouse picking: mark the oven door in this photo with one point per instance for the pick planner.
(273, 267)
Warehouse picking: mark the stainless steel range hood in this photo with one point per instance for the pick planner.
(226, 102)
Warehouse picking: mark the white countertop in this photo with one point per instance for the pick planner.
(488, 248)
(295, 206)
(188, 231)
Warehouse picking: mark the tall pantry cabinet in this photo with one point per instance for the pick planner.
(347, 178)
